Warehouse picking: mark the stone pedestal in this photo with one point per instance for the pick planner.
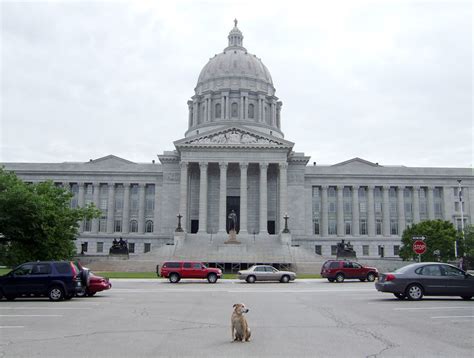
(232, 238)
(285, 238)
(179, 238)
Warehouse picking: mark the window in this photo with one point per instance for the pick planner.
(378, 226)
(100, 247)
(251, 111)
(452, 271)
(103, 224)
(332, 227)
(365, 250)
(333, 249)
(131, 247)
(187, 265)
(316, 227)
(234, 110)
(378, 207)
(437, 193)
(347, 208)
(362, 192)
(457, 207)
(332, 192)
(218, 110)
(408, 208)
(363, 227)
(118, 226)
(41, 269)
(332, 207)
(317, 249)
(147, 247)
(429, 270)
(393, 227)
(348, 227)
(396, 250)
(363, 207)
(149, 226)
(87, 225)
(133, 226)
(347, 192)
(150, 204)
(381, 251)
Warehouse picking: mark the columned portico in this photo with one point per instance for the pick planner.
(283, 194)
(243, 198)
(203, 198)
(183, 197)
(263, 199)
(222, 197)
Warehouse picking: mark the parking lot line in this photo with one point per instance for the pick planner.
(432, 308)
(31, 315)
(45, 308)
(12, 327)
(443, 317)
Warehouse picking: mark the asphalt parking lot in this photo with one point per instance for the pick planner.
(305, 318)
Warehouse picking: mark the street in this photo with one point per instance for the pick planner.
(305, 318)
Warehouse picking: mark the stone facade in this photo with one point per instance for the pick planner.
(234, 157)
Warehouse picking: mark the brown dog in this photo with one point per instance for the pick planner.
(239, 329)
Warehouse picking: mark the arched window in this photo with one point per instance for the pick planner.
(251, 111)
(133, 226)
(218, 111)
(149, 226)
(235, 110)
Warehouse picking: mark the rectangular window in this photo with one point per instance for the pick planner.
(147, 247)
(317, 250)
(103, 204)
(334, 250)
(365, 250)
(347, 208)
(332, 207)
(393, 227)
(363, 227)
(100, 247)
(348, 225)
(408, 208)
(103, 224)
(378, 226)
(87, 225)
(332, 227)
(131, 247)
(396, 250)
(378, 207)
(118, 225)
(363, 207)
(316, 227)
(150, 204)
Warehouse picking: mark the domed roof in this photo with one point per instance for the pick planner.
(235, 61)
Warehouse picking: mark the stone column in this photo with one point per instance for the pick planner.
(386, 211)
(246, 106)
(95, 200)
(370, 211)
(195, 113)
(209, 108)
(183, 195)
(273, 112)
(126, 208)
(227, 109)
(141, 208)
(355, 210)
(81, 202)
(111, 208)
(263, 198)
(401, 209)
(222, 107)
(283, 194)
(324, 210)
(243, 198)
(223, 198)
(448, 203)
(242, 106)
(260, 108)
(190, 115)
(431, 214)
(416, 204)
(203, 198)
(340, 210)
(157, 210)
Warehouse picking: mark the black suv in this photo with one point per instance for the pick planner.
(57, 280)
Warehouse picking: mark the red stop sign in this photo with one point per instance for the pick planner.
(419, 247)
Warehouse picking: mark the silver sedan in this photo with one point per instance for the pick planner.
(265, 273)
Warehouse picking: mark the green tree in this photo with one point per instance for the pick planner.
(466, 243)
(440, 235)
(37, 221)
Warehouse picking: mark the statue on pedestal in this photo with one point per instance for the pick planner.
(232, 224)
(345, 250)
(119, 247)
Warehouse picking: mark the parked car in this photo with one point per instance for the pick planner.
(427, 279)
(176, 270)
(57, 280)
(339, 270)
(95, 284)
(265, 273)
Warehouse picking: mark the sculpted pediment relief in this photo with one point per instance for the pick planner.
(233, 136)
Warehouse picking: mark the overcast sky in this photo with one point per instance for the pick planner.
(386, 81)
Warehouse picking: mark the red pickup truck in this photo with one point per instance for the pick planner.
(176, 270)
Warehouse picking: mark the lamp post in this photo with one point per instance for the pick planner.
(286, 230)
(462, 216)
(179, 228)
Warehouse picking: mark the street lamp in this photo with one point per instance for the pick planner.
(179, 228)
(286, 230)
(462, 216)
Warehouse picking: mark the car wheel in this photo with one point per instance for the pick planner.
(339, 278)
(330, 279)
(251, 279)
(285, 279)
(370, 277)
(212, 278)
(81, 293)
(466, 297)
(174, 278)
(400, 296)
(414, 292)
(55, 293)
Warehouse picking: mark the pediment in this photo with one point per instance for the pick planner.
(110, 160)
(233, 137)
(356, 163)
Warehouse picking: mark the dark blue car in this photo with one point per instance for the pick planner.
(57, 280)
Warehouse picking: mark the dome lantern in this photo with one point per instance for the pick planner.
(235, 37)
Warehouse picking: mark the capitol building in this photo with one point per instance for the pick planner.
(234, 156)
